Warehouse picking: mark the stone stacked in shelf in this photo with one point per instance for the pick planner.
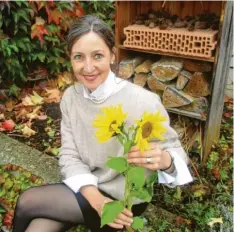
(181, 83)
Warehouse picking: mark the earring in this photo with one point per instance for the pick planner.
(112, 62)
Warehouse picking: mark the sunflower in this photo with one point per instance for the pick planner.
(109, 123)
(149, 127)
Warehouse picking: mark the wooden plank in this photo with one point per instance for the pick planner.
(220, 74)
(184, 8)
(211, 59)
(186, 113)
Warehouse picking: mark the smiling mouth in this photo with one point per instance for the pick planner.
(90, 77)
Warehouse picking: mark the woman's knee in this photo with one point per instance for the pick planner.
(27, 201)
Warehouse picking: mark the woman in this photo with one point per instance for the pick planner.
(87, 183)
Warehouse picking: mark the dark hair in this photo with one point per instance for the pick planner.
(89, 23)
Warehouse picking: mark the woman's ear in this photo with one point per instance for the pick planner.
(113, 55)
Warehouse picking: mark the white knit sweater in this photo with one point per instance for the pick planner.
(81, 154)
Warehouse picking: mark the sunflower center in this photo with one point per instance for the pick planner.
(146, 130)
(110, 127)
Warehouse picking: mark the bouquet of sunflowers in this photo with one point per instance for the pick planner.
(111, 123)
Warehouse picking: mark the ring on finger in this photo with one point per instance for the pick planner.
(149, 160)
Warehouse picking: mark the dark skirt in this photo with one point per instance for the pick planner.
(92, 219)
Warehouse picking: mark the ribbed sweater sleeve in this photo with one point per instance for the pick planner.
(73, 169)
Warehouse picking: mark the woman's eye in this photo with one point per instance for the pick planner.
(98, 56)
(77, 57)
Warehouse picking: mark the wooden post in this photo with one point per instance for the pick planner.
(220, 74)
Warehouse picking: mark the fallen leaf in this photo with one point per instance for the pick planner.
(52, 83)
(7, 220)
(33, 114)
(52, 95)
(4, 93)
(39, 74)
(21, 114)
(2, 117)
(9, 105)
(42, 117)
(36, 99)
(64, 79)
(228, 114)
(214, 221)
(27, 131)
(54, 151)
(227, 99)
(32, 100)
(2, 108)
(8, 125)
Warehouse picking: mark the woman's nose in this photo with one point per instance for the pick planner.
(88, 66)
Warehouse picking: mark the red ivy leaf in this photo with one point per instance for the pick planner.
(38, 31)
(54, 16)
(80, 11)
(216, 173)
(180, 220)
(7, 221)
(228, 114)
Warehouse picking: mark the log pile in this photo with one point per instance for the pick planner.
(181, 83)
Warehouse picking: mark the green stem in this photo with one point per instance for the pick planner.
(127, 200)
(125, 133)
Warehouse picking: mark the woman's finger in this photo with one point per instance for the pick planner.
(122, 222)
(124, 218)
(152, 167)
(115, 225)
(127, 212)
(149, 153)
(138, 160)
(152, 145)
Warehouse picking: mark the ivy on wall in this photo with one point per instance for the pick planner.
(33, 33)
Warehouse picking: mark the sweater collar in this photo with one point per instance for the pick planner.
(103, 91)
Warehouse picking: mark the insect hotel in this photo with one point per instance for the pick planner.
(180, 50)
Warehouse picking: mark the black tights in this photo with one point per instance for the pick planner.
(48, 208)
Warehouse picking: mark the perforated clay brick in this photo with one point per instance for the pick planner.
(200, 43)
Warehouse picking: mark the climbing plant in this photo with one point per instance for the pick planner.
(33, 33)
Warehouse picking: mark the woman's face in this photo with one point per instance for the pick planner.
(91, 58)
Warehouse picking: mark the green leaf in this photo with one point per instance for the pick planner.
(136, 176)
(24, 27)
(15, 17)
(24, 14)
(51, 133)
(2, 210)
(41, 56)
(119, 164)
(143, 194)
(150, 180)
(111, 211)
(2, 192)
(8, 184)
(14, 47)
(14, 90)
(127, 146)
(138, 223)
(1, 21)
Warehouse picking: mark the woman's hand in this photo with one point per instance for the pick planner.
(97, 200)
(154, 159)
(123, 219)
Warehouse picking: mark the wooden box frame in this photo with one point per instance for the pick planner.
(126, 11)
